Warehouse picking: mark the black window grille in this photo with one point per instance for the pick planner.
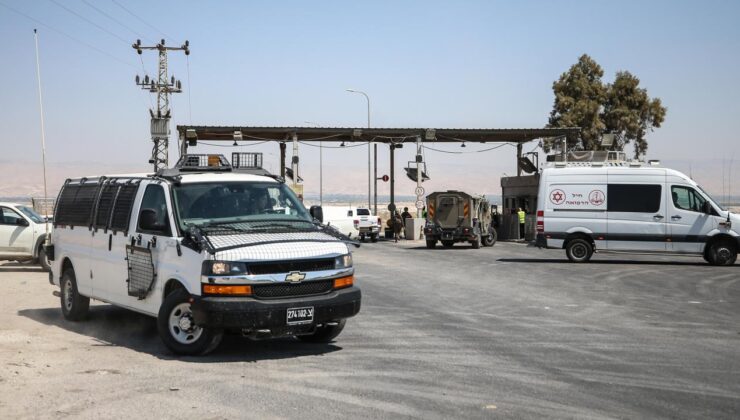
(124, 203)
(105, 205)
(75, 204)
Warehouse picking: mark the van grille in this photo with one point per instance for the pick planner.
(269, 291)
(276, 267)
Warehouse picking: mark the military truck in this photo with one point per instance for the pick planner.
(456, 216)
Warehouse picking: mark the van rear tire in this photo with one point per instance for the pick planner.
(178, 331)
(579, 250)
(74, 305)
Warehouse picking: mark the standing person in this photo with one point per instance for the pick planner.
(405, 215)
(522, 219)
(397, 225)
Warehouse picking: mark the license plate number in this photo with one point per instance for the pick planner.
(297, 316)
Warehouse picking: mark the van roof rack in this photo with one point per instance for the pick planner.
(249, 163)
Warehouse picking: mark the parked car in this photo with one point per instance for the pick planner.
(22, 234)
(630, 206)
(204, 248)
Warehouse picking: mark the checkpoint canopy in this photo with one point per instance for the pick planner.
(189, 135)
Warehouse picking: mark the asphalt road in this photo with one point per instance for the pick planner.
(502, 332)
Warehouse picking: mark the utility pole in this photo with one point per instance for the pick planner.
(160, 122)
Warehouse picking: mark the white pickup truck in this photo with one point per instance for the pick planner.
(22, 234)
(366, 224)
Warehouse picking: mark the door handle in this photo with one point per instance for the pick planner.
(676, 217)
(658, 216)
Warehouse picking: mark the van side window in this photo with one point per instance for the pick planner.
(633, 198)
(105, 205)
(154, 199)
(686, 198)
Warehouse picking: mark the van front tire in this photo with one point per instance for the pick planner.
(579, 250)
(721, 252)
(74, 305)
(178, 330)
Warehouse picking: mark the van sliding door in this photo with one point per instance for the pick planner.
(636, 213)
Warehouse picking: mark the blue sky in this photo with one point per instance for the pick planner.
(478, 64)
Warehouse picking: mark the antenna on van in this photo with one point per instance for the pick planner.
(41, 113)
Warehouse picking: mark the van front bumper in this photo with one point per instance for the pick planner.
(247, 313)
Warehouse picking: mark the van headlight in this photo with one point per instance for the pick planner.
(343, 261)
(224, 268)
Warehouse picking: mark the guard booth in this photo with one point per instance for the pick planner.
(518, 192)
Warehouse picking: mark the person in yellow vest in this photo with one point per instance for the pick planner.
(522, 218)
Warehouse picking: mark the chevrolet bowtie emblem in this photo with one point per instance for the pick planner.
(295, 277)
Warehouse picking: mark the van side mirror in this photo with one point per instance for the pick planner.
(706, 208)
(21, 222)
(148, 221)
(317, 213)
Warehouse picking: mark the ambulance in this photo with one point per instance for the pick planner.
(585, 207)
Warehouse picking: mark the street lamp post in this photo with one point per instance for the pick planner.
(369, 176)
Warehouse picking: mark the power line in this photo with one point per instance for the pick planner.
(169, 38)
(67, 35)
(112, 18)
(89, 21)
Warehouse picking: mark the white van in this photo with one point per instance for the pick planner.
(631, 206)
(203, 248)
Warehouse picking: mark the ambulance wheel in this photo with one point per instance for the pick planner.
(579, 250)
(178, 330)
(374, 238)
(74, 305)
(476, 242)
(448, 244)
(324, 334)
(431, 244)
(722, 252)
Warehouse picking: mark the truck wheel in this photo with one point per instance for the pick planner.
(362, 238)
(374, 238)
(43, 261)
(490, 239)
(579, 250)
(74, 305)
(324, 334)
(178, 330)
(431, 244)
(722, 252)
(448, 244)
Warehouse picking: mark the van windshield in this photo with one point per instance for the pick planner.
(709, 197)
(222, 203)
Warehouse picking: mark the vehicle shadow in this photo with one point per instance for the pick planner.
(460, 247)
(620, 262)
(112, 326)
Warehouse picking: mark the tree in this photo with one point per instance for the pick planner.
(622, 107)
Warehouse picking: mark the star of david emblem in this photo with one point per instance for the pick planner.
(557, 197)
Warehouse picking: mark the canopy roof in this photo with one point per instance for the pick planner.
(379, 135)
